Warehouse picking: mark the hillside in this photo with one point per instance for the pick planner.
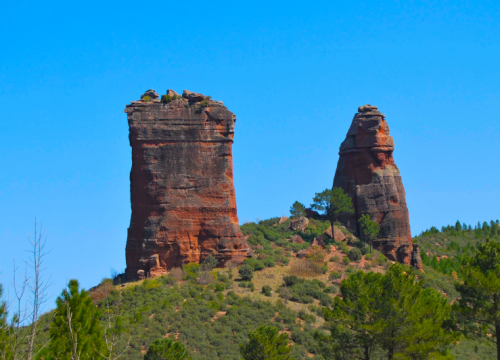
(213, 312)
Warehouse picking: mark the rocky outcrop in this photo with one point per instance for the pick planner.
(297, 239)
(318, 241)
(366, 171)
(182, 192)
(416, 260)
(339, 235)
(300, 223)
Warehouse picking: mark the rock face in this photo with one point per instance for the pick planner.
(182, 192)
(339, 235)
(300, 223)
(366, 171)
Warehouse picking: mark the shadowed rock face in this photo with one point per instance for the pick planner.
(182, 192)
(367, 173)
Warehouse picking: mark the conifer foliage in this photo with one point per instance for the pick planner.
(334, 203)
(75, 332)
(166, 349)
(266, 343)
(390, 314)
(297, 210)
(479, 305)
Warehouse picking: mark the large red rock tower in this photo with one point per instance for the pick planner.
(366, 171)
(181, 183)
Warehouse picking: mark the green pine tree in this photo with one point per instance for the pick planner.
(75, 331)
(479, 305)
(333, 203)
(166, 349)
(369, 229)
(390, 313)
(352, 320)
(266, 343)
(297, 210)
(3, 328)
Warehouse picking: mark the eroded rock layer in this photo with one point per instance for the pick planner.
(367, 173)
(182, 192)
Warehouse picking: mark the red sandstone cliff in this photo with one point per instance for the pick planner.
(366, 171)
(182, 192)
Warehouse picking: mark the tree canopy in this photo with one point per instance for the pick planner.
(369, 229)
(389, 314)
(333, 203)
(478, 308)
(166, 349)
(297, 209)
(266, 343)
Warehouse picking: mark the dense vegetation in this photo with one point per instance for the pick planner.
(275, 298)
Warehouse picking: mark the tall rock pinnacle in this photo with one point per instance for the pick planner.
(182, 192)
(367, 173)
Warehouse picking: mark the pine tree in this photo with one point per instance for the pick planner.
(369, 229)
(166, 349)
(3, 327)
(297, 210)
(479, 303)
(333, 203)
(458, 226)
(266, 343)
(75, 331)
(353, 319)
(391, 313)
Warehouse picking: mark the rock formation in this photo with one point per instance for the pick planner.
(367, 173)
(299, 223)
(182, 192)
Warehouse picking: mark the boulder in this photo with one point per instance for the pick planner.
(339, 235)
(416, 259)
(151, 93)
(296, 239)
(283, 219)
(182, 192)
(172, 93)
(302, 254)
(192, 96)
(367, 172)
(300, 223)
(318, 241)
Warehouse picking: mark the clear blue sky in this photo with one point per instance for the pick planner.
(294, 73)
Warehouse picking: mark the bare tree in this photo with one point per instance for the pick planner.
(22, 331)
(39, 285)
(112, 336)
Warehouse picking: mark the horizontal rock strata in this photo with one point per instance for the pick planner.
(366, 171)
(182, 192)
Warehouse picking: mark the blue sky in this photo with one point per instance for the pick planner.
(294, 73)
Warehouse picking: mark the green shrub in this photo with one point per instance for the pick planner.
(165, 99)
(368, 256)
(251, 286)
(146, 98)
(166, 349)
(335, 275)
(266, 290)
(246, 272)
(346, 260)
(270, 262)
(355, 254)
(335, 259)
(331, 290)
(243, 284)
(291, 280)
